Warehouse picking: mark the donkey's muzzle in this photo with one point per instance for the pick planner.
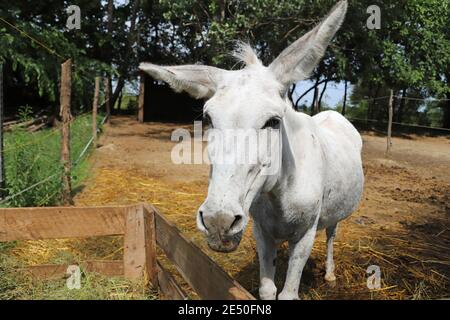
(223, 230)
(223, 243)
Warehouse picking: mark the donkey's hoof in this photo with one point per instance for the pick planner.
(331, 279)
(268, 292)
(288, 296)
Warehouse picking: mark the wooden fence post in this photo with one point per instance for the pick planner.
(2, 159)
(139, 256)
(108, 97)
(94, 111)
(389, 129)
(65, 95)
(141, 97)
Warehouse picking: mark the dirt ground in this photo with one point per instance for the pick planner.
(402, 224)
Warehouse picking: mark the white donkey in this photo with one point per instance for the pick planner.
(320, 180)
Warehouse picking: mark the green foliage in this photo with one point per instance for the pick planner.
(410, 51)
(358, 111)
(130, 103)
(25, 113)
(35, 63)
(433, 113)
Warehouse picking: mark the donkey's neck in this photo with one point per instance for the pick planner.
(299, 150)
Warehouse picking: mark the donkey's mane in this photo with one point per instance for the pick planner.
(244, 53)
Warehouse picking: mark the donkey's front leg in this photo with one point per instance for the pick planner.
(267, 252)
(299, 254)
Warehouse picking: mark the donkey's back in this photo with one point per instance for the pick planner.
(340, 127)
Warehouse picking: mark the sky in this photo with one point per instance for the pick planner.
(333, 95)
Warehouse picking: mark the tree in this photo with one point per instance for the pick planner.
(33, 66)
(408, 54)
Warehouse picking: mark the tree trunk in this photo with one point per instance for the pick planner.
(322, 93)
(131, 52)
(315, 104)
(117, 90)
(108, 104)
(315, 96)
(372, 108)
(290, 92)
(401, 107)
(94, 111)
(395, 102)
(344, 104)
(312, 88)
(389, 129)
(119, 102)
(110, 16)
(222, 6)
(108, 81)
(66, 118)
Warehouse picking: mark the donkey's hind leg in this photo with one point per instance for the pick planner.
(331, 234)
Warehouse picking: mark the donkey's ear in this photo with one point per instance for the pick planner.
(297, 61)
(198, 80)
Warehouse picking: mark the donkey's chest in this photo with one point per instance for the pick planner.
(285, 221)
(283, 228)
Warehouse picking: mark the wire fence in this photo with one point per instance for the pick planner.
(34, 164)
(33, 167)
(368, 99)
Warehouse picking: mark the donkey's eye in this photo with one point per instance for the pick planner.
(273, 123)
(207, 122)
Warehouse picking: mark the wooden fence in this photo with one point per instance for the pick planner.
(144, 228)
(397, 127)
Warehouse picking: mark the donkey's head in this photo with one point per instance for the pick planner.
(252, 98)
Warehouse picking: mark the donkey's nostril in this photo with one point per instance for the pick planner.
(237, 218)
(201, 219)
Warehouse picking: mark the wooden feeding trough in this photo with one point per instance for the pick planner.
(143, 228)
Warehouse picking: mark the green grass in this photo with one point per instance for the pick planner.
(32, 157)
(129, 105)
(129, 102)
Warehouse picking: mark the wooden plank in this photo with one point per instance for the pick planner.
(139, 256)
(169, 288)
(133, 253)
(200, 272)
(60, 222)
(110, 268)
(151, 268)
(58, 271)
(48, 271)
(141, 101)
